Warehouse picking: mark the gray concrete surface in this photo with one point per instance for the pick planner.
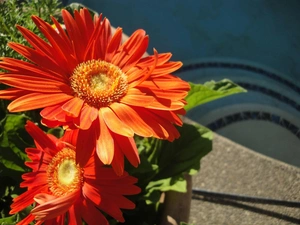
(232, 168)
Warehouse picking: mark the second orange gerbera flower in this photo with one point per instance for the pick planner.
(86, 78)
(61, 189)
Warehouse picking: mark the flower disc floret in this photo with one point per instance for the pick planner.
(64, 175)
(98, 83)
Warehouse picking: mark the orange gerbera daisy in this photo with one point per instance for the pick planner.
(62, 189)
(86, 78)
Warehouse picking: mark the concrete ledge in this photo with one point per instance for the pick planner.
(232, 168)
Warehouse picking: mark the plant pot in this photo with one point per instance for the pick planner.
(176, 205)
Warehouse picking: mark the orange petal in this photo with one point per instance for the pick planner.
(51, 123)
(107, 206)
(171, 116)
(44, 198)
(163, 128)
(167, 82)
(34, 179)
(73, 106)
(144, 76)
(61, 47)
(12, 93)
(53, 113)
(57, 49)
(81, 26)
(22, 201)
(113, 45)
(149, 60)
(164, 93)
(74, 216)
(88, 21)
(123, 186)
(118, 160)
(90, 192)
(62, 55)
(75, 35)
(91, 49)
(114, 123)
(26, 68)
(138, 98)
(34, 83)
(128, 147)
(166, 68)
(136, 73)
(157, 129)
(39, 58)
(136, 56)
(105, 143)
(64, 37)
(85, 144)
(128, 48)
(33, 153)
(27, 220)
(121, 201)
(166, 104)
(132, 119)
(41, 138)
(112, 209)
(105, 34)
(53, 206)
(36, 101)
(87, 115)
(35, 41)
(70, 136)
(91, 215)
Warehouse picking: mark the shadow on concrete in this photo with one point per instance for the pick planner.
(251, 208)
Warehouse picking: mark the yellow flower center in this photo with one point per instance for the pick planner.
(99, 83)
(64, 175)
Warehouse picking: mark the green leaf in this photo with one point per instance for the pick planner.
(184, 154)
(168, 184)
(6, 189)
(11, 220)
(57, 132)
(164, 163)
(13, 141)
(209, 91)
(155, 188)
(146, 169)
(184, 223)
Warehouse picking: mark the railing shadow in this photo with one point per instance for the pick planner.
(249, 208)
